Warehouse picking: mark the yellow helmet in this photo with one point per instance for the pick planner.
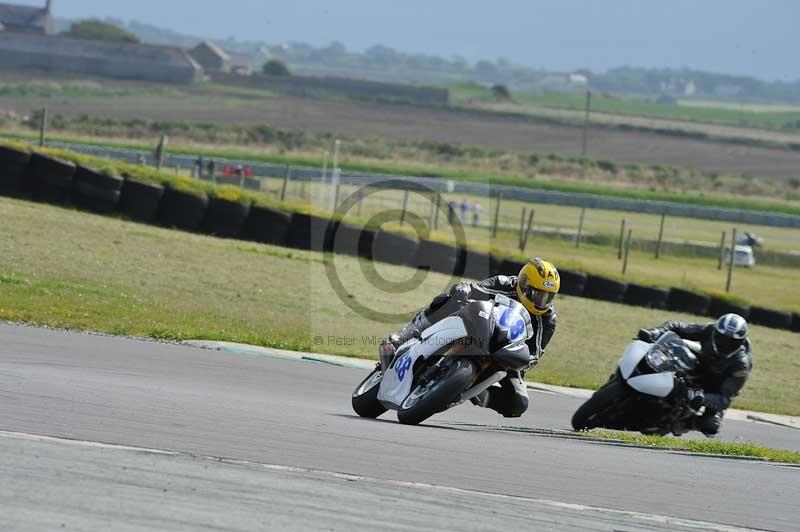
(537, 286)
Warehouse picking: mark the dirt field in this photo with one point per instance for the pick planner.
(413, 123)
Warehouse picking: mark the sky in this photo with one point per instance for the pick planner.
(748, 37)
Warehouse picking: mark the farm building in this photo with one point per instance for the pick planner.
(98, 58)
(27, 19)
(211, 57)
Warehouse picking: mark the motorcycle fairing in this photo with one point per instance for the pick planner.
(397, 381)
(633, 354)
(656, 384)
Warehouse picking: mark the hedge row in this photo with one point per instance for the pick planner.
(43, 178)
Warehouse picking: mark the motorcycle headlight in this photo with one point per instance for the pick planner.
(658, 360)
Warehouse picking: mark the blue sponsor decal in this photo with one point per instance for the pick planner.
(402, 365)
(513, 323)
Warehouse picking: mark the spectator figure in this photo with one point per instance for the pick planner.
(198, 167)
(451, 211)
(476, 214)
(464, 210)
(212, 169)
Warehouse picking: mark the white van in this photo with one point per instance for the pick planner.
(742, 256)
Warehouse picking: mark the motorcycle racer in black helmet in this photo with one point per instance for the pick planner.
(725, 362)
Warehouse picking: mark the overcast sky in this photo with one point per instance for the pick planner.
(750, 37)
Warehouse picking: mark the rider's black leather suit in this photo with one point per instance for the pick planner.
(510, 398)
(720, 377)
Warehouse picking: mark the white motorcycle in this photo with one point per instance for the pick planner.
(651, 391)
(452, 361)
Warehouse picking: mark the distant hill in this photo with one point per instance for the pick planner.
(381, 63)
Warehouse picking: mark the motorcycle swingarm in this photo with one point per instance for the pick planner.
(482, 386)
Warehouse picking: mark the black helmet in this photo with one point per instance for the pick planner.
(730, 333)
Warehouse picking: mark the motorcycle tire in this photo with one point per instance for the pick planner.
(446, 390)
(587, 416)
(365, 397)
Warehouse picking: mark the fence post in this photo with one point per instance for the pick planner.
(438, 210)
(497, 214)
(286, 181)
(580, 228)
(721, 250)
(528, 230)
(432, 213)
(627, 251)
(405, 207)
(43, 127)
(660, 235)
(522, 226)
(335, 175)
(161, 151)
(621, 239)
(730, 264)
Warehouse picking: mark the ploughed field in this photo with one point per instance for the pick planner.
(416, 123)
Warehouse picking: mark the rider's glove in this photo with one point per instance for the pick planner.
(645, 335)
(460, 291)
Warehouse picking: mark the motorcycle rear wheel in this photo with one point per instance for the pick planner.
(436, 395)
(365, 397)
(590, 413)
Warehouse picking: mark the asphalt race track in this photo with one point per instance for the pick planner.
(112, 433)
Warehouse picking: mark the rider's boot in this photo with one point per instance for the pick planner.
(389, 345)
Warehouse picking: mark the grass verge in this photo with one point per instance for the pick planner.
(732, 449)
(68, 269)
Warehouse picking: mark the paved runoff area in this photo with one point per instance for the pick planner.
(100, 433)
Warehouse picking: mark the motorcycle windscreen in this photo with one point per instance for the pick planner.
(655, 384)
(633, 354)
(396, 383)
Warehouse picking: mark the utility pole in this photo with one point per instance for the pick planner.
(43, 127)
(585, 142)
(660, 235)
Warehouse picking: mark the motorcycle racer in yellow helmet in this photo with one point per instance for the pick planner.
(535, 287)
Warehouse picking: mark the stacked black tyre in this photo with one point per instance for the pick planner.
(646, 296)
(437, 257)
(681, 300)
(573, 283)
(95, 191)
(140, 200)
(604, 289)
(268, 226)
(13, 167)
(394, 248)
(720, 306)
(49, 179)
(225, 218)
(182, 209)
(771, 318)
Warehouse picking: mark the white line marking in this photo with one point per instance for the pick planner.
(637, 516)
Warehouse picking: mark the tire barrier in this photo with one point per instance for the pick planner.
(96, 191)
(225, 218)
(771, 318)
(267, 226)
(49, 179)
(437, 257)
(139, 200)
(13, 167)
(476, 265)
(690, 302)
(394, 248)
(58, 181)
(720, 306)
(309, 232)
(510, 267)
(353, 241)
(605, 289)
(184, 210)
(573, 283)
(646, 296)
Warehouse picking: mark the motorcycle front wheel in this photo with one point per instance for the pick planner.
(365, 397)
(433, 395)
(590, 415)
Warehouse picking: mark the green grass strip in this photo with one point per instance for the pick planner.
(704, 446)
